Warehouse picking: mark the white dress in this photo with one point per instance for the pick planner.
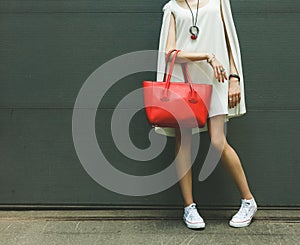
(211, 39)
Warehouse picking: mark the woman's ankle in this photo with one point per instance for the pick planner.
(247, 197)
(186, 204)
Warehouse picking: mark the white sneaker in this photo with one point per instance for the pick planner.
(191, 217)
(244, 216)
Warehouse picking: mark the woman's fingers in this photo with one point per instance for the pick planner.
(234, 99)
(234, 94)
(239, 98)
(222, 76)
(216, 73)
(231, 102)
(225, 76)
(219, 71)
(219, 74)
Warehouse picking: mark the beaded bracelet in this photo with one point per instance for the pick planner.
(209, 60)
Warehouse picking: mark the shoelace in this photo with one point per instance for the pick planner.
(192, 213)
(244, 210)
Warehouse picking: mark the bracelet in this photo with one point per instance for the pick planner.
(209, 60)
(234, 75)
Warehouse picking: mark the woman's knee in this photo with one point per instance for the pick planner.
(219, 143)
(183, 136)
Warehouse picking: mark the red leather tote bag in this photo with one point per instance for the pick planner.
(176, 104)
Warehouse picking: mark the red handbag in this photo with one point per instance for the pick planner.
(176, 104)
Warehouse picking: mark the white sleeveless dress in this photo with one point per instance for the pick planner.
(211, 39)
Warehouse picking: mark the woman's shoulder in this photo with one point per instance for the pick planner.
(225, 1)
(169, 5)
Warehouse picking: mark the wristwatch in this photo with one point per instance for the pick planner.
(234, 75)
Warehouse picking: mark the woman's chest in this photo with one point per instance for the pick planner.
(210, 13)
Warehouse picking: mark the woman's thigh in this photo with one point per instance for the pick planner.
(216, 131)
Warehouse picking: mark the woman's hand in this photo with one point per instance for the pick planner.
(234, 92)
(219, 70)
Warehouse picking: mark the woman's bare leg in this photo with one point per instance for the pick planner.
(229, 157)
(183, 163)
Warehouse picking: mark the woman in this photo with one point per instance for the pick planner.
(204, 32)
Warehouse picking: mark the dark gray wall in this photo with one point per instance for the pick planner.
(49, 48)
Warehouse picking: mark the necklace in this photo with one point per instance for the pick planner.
(194, 30)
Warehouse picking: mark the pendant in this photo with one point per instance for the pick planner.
(194, 30)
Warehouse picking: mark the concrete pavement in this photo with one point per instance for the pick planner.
(144, 227)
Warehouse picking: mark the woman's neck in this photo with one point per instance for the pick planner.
(192, 3)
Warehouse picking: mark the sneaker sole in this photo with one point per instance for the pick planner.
(195, 226)
(242, 224)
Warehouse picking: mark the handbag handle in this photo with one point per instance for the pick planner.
(167, 79)
(186, 74)
(166, 61)
(187, 77)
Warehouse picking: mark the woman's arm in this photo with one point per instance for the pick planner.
(184, 57)
(234, 92)
(233, 69)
